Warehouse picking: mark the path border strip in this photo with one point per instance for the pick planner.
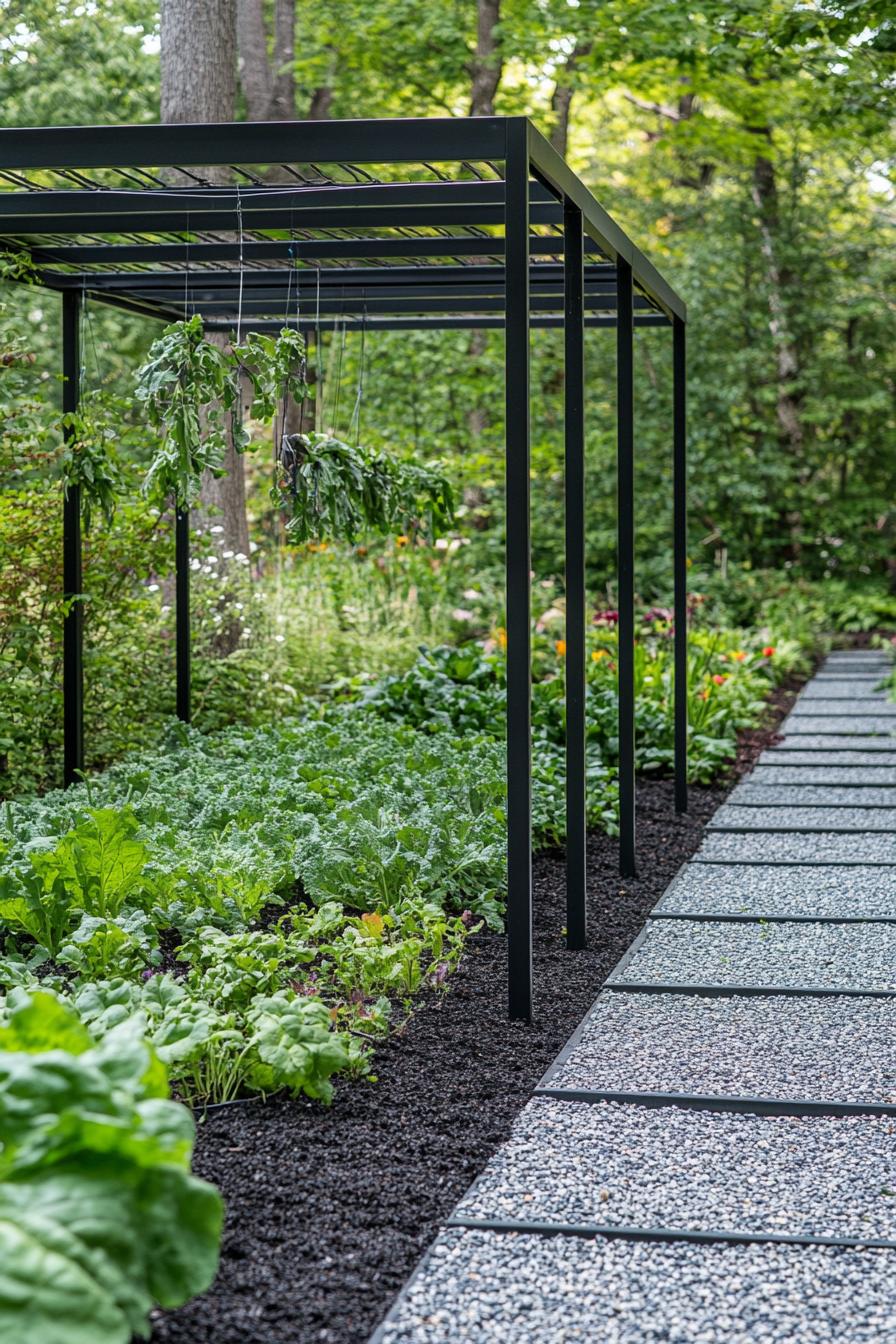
(624, 1233)
(748, 917)
(745, 991)
(721, 1103)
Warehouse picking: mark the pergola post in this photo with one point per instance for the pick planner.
(518, 566)
(680, 530)
(625, 561)
(182, 611)
(73, 616)
(574, 505)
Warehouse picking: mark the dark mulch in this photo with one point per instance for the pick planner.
(329, 1209)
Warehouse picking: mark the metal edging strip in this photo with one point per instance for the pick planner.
(622, 1233)
(723, 1104)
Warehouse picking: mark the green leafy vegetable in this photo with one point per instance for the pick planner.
(100, 1218)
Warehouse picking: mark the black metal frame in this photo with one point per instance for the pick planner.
(517, 247)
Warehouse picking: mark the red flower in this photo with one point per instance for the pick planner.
(719, 679)
(768, 651)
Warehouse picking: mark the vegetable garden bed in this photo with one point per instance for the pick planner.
(329, 1211)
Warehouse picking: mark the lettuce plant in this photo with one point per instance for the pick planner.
(100, 1217)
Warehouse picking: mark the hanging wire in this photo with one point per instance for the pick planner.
(340, 352)
(239, 220)
(187, 269)
(355, 422)
(319, 360)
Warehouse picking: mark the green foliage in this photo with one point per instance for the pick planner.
(275, 366)
(100, 1218)
(190, 390)
(336, 491)
(89, 459)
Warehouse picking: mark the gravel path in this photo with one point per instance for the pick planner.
(825, 848)
(519, 1289)
(621, 1165)
(813, 835)
(833, 688)
(831, 724)
(738, 889)
(833, 745)
(786, 816)
(869, 776)
(787, 793)
(875, 758)
(837, 1049)
(828, 956)
(824, 707)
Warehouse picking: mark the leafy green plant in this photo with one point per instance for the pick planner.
(275, 366)
(100, 862)
(190, 391)
(100, 1218)
(336, 491)
(90, 461)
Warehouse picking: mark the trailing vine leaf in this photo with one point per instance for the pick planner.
(190, 389)
(90, 459)
(334, 491)
(275, 365)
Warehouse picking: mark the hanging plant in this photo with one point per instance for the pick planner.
(188, 387)
(335, 491)
(191, 390)
(90, 459)
(275, 366)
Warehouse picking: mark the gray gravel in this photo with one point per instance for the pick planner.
(855, 784)
(831, 744)
(834, 688)
(839, 1049)
(624, 1165)
(495, 1288)
(732, 889)
(846, 725)
(755, 793)
(821, 848)
(824, 956)
(881, 757)
(785, 817)
(881, 709)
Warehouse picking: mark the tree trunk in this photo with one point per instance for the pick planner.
(487, 64)
(561, 98)
(198, 60)
(267, 74)
(198, 69)
(764, 193)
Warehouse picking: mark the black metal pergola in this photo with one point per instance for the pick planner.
(423, 224)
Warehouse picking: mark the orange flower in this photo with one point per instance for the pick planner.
(402, 540)
(598, 654)
(560, 646)
(704, 695)
(719, 679)
(739, 655)
(501, 637)
(768, 651)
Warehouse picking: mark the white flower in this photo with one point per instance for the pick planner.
(195, 565)
(279, 639)
(461, 614)
(441, 543)
(228, 555)
(216, 529)
(152, 588)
